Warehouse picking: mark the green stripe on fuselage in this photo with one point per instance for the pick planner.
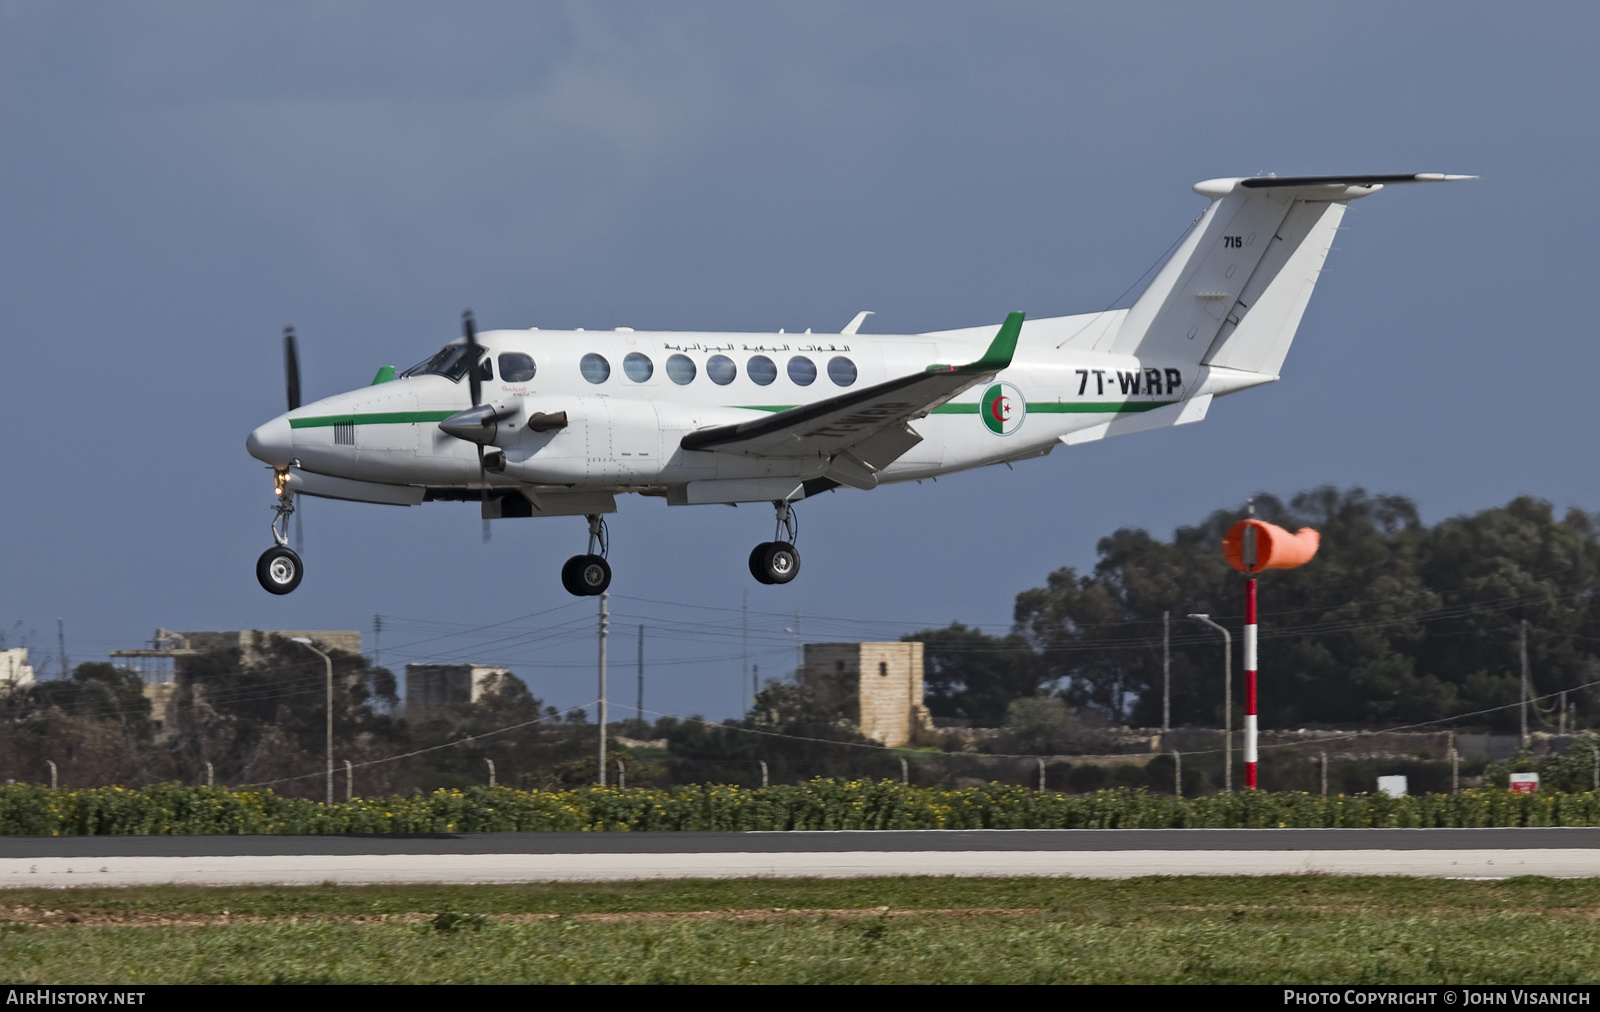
(376, 418)
(1042, 407)
(1065, 407)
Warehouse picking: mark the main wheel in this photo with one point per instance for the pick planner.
(758, 563)
(586, 575)
(780, 563)
(279, 570)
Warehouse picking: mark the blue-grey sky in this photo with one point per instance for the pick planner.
(180, 180)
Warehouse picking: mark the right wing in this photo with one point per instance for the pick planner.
(862, 431)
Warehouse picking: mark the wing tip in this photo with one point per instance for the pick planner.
(1003, 347)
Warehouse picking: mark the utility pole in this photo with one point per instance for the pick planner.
(1522, 647)
(1177, 773)
(491, 770)
(744, 665)
(350, 781)
(377, 641)
(799, 652)
(1324, 774)
(639, 709)
(303, 641)
(61, 639)
(605, 620)
(1563, 717)
(1166, 671)
(1227, 700)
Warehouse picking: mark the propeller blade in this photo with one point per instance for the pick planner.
(475, 384)
(483, 494)
(474, 381)
(291, 368)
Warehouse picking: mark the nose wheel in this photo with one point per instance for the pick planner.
(589, 575)
(778, 561)
(279, 569)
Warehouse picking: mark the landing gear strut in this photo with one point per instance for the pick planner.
(777, 561)
(279, 568)
(589, 575)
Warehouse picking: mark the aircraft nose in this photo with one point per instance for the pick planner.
(272, 443)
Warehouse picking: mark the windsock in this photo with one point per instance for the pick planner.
(1251, 546)
(1273, 548)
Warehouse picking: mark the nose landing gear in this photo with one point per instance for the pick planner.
(778, 561)
(589, 575)
(279, 569)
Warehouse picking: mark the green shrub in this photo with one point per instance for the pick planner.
(168, 809)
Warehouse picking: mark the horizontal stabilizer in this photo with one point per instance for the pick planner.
(1265, 182)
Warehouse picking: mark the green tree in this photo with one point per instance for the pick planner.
(969, 674)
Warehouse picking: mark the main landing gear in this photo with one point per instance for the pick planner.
(279, 569)
(777, 561)
(589, 575)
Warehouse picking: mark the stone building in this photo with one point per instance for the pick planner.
(432, 690)
(15, 671)
(888, 681)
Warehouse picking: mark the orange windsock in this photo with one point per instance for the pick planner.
(1275, 548)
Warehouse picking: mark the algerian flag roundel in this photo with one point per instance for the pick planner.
(1002, 409)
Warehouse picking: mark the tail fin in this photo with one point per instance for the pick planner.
(1234, 291)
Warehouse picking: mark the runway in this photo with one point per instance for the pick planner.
(564, 857)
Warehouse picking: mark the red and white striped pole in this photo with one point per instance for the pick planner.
(1250, 682)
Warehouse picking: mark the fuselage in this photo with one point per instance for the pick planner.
(629, 397)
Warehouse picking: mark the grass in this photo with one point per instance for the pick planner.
(1292, 929)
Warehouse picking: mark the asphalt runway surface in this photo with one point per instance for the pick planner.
(465, 858)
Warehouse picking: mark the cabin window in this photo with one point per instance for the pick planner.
(721, 370)
(761, 370)
(842, 371)
(883, 669)
(680, 369)
(595, 368)
(515, 367)
(638, 367)
(802, 371)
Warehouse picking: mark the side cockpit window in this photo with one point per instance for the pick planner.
(515, 367)
(452, 362)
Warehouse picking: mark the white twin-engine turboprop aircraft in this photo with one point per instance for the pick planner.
(537, 423)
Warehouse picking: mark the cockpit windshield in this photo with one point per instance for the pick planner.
(452, 361)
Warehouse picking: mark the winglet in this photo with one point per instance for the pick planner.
(1002, 347)
(999, 354)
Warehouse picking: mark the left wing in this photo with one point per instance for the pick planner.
(865, 430)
